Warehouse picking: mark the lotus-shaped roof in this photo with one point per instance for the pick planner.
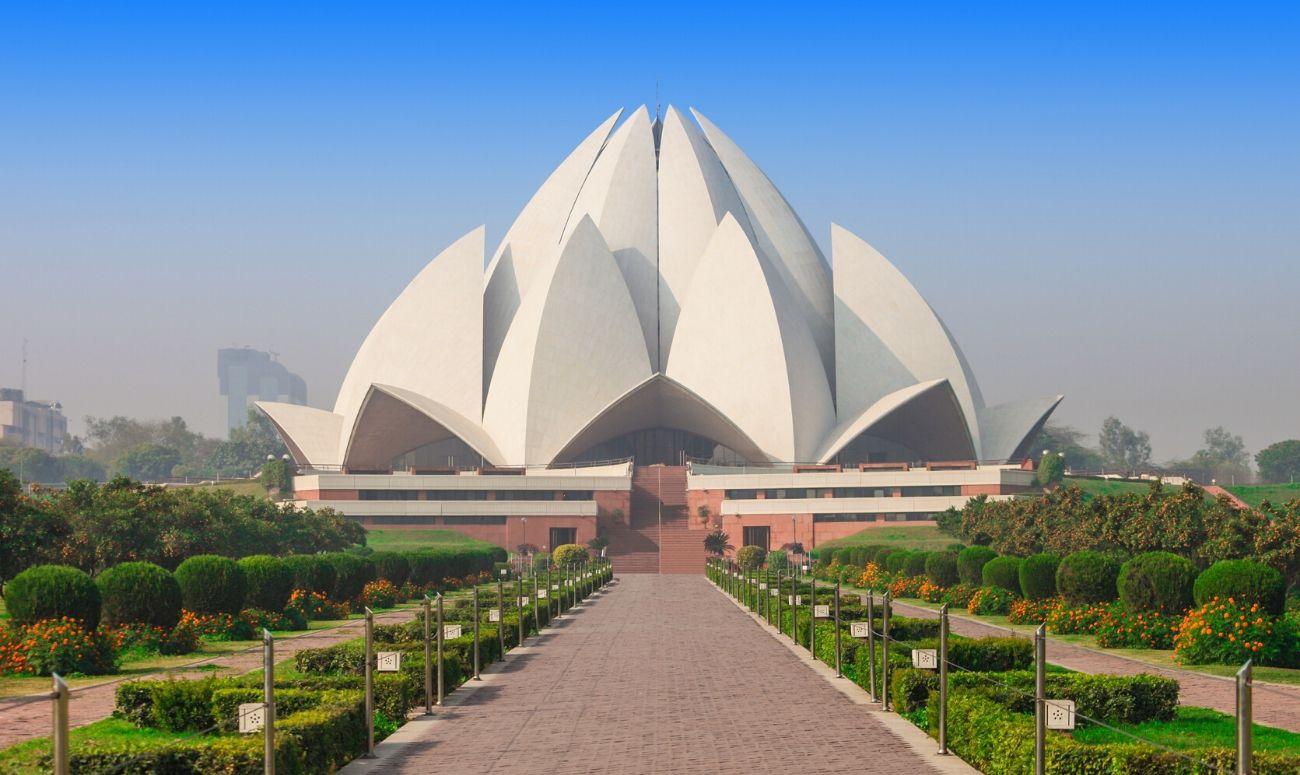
(658, 280)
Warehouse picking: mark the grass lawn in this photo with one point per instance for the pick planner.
(903, 536)
(237, 486)
(1107, 486)
(406, 540)
(1193, 728)
(1275, 493)
(25, 757)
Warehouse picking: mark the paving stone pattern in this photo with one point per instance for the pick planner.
(662, 674)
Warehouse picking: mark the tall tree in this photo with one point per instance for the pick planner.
(1069, 442)
(1279, 462)
(1123, 447)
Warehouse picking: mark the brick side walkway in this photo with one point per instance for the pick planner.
(1274, 705)
(92, 703)
(662, 674)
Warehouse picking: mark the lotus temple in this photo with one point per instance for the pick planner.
(658, 348)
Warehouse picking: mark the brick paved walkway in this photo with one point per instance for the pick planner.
(1274, 705)
(662, 674)
(92, 703)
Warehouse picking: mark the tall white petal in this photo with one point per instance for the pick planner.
(924, 418)
(1008, 429)
(312, 435)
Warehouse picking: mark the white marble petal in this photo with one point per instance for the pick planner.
(393, 421)
(1007, 429)
(924, 417)
(312, 435)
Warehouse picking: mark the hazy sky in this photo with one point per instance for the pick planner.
(1103, 202)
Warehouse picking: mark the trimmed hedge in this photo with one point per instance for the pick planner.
(392, 567)
(269, 582)
(1087, 577)
(916, 564)
(897, 560)
(970, 564)
(749, 557)
(1243, 581)
(52, 592)
(311, 572)
(1159, 582)
(139, 593)
(1002, 572)
(941, 568)
(1038, 576)
(351, 574)
(211, 584)
(434, 565)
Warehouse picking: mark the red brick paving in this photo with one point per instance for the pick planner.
(92, 703)
(659, 675)
(1274, 705)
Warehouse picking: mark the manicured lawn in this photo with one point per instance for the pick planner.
(25, 757)
(1107, 486)
(1193, 728)
(237, 486)
(406, 540)
(1276, 494)
(925, 537)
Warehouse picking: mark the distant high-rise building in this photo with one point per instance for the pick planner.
(248, 375)
(39, 424)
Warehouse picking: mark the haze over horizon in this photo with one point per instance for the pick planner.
(1100, 203)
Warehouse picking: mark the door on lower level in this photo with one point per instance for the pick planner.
(757, 536)
(563, 535)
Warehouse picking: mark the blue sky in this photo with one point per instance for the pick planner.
(1100, 201)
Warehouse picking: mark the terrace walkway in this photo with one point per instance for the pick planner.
(661, 674)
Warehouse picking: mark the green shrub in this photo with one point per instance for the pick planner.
(211, 584)
(269, 582)
(182, 706)
(311, 572)
(1002, 572)
(990, 601)
(897, 560)
(970, 564)
(433, 565)
(1087, 577)
(542, 560)
(1245, 582)
(52, 592)
(941, 568)
(567, 555)
(351, 574)
(60, 646)
(843, 555)
(139, 593)
(749, 557)
(392, 566)
(776, 560)
(1160, 582)
(916, 564)
(881, 557)
(1038, 576)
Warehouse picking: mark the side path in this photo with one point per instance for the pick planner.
(1274, 705)
(662, 674)
(92, 703)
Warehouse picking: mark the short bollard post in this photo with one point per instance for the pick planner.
(537, 606)
(871, 643)
(1040, 699)
(476, 649)
(838, 671)
(812, 615)
(1245, 755)
(268, 699)
(441, 691)
(519, 604)
(501, 618)
(884, 654)
(370, 684)
(943, 679)
(427, 607)
(60, 737)
(549, 590)
(779, 594)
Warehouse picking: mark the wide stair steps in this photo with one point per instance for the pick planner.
(657, 538)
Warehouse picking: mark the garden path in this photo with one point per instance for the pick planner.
(24, 721)
(1275, 705)
(660, 674)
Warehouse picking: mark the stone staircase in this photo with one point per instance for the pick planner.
(657, 537)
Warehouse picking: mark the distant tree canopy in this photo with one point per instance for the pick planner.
(1279, 463)
(1122, 447)
(1069, 442)
(1223, 457)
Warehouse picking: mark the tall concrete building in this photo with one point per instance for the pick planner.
(658, 348)
(248, 375)
(38, 424)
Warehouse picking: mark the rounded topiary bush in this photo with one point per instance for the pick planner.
(211, 584)
(844, 556)
(897, 561)
(749, 557)
(881, 558)
(311, 572)
(1087, 577)
(1157, 581)
(566, 555)
(1244, 581)
(351, 574)
(51, 592)
(916, 564)
(941, 568)
(1038, 576)
(139, 593)
(392, 567)
(776, 560)
(970, 564)
(269, 582)
(1002, 572)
